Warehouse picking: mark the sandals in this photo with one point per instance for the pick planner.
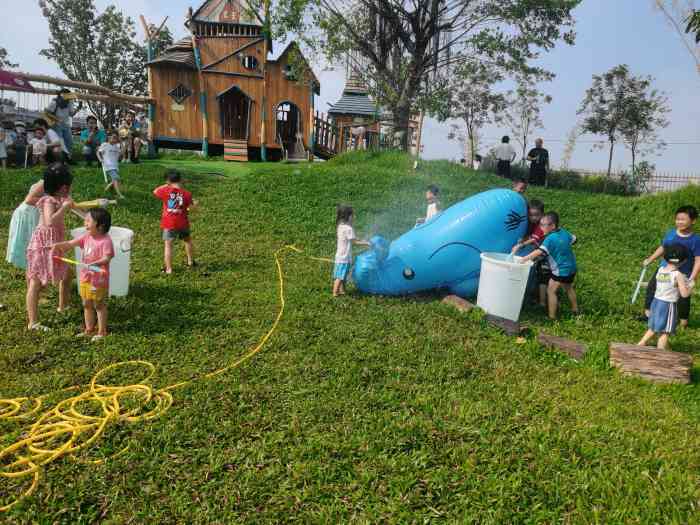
(38, 327)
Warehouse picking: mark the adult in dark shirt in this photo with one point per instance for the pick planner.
(539, 163)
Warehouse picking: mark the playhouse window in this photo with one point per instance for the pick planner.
(250, 62)
(289, 72)
(180, 94)
(283, 112)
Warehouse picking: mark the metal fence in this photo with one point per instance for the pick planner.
(659, 181)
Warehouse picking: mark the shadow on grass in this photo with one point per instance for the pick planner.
(159, 308)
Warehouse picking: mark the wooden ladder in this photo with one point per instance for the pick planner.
(236, 150)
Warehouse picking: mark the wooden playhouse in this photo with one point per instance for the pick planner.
(219, 89)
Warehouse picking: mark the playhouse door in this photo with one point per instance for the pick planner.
(235, 109)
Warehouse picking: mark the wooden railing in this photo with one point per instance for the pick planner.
(331, 140)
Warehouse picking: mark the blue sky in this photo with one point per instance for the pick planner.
(610, 32)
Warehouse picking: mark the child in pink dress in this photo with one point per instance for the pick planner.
(42, 268)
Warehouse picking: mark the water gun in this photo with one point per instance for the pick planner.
(97, 203)
(91, 267)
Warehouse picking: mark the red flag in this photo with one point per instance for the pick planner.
(15, 82)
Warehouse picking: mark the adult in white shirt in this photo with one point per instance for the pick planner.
(64, 110)
(505, 155)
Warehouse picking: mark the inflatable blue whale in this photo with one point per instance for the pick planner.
(445, 251)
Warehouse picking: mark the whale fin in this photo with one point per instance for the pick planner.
(514, 220)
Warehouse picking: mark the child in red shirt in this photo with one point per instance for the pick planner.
(174, 221)
(97, 252)
(534, 237)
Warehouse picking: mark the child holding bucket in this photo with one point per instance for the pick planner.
(345, 235)
(42, 268)
(97, 250)
(557, 247)
(671, 285)
(177, 202)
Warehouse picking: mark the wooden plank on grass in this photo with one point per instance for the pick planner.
(573, 349)
(509, 327)
(457, 302)
(660, 366)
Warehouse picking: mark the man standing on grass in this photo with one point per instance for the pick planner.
(539, 163)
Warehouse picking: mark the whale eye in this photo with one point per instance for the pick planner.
(408, 274)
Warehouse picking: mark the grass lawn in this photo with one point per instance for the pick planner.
(364, 409)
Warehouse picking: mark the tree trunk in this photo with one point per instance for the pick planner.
(633, 148)
(402, 117)
(612, 147)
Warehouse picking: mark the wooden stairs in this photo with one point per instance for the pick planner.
(236, 150)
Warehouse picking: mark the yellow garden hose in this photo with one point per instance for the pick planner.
(77, 422)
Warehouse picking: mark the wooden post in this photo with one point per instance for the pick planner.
(509, 327)
(150, 52)
(202, 92)
(263, 127)
(312, 127)
(571, 348)
(420, 134)
(660, 366)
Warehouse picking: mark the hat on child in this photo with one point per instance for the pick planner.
(676, 253)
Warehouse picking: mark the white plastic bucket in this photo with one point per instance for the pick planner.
(502, 284)
(121, 263)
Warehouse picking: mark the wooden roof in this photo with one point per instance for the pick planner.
(294, 46)
(180, 53)
(354, 104)
(225, 12)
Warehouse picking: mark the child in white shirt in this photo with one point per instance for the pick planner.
(109, 154)
(343, 254)
(671, 285)
(431, 195)
(39, 146)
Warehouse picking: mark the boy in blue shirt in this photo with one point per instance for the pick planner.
(683, 235)
(562, 262)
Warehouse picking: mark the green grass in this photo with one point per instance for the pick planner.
(364, 409)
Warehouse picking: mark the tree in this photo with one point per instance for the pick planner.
(694, 25)
(645, 115)
(471, 99)
(408, 48)
(522, 113)
(4, 60)
(620, 106)
(96, 48)
(678, 13)
(570, 146)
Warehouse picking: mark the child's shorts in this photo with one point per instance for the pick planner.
(341, 270)
(88, 292)
(564, 279)
(172, 235)
(544, 274)
(663, 318)
(113, 175)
